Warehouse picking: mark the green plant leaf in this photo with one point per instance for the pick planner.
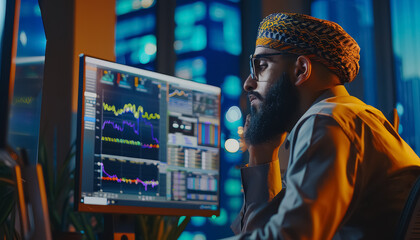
(7, 181)
(142, 228)
(7, 204)
(181, 227)
(5, 234)
(75, 221)
(12, 221)
(47, 170)
(86, 227)
(65, 167)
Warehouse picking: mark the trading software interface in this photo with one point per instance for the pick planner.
(148, 140)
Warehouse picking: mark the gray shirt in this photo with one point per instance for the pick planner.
(348, 176)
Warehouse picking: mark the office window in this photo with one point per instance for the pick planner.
(226, 28)
(190, 31)
(356, 17)
(135, 33)
(25, 108)
(405, 23)
(192, 68)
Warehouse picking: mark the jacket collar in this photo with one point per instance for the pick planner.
(336, 91)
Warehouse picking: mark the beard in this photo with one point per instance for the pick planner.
(276, 114)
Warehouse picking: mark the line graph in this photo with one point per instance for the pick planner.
(178, 93)
(180, 100)
(115, 175)
(130, 124)
(129, 142)
(136, 181)
(135, 127)
(121, 128)
(132, 109)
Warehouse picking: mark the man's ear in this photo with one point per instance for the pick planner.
(303, 69)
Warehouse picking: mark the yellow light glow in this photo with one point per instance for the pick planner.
(240, 130)
(150, 49)
(147, 3)
(23, 38)
(232, 145)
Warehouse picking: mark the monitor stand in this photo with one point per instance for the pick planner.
(119, 227)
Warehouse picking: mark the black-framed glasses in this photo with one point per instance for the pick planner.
(253, 58)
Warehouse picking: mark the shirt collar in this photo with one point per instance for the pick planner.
(336, 91)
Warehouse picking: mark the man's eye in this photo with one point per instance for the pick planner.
(260, 64)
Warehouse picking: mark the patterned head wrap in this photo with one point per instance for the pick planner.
(320, 40)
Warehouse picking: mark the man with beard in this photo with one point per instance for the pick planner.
(348, 171)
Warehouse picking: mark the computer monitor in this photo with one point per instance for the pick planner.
(9, 23)
(147, 143)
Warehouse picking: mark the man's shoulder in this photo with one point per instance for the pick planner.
(345, 112)
(341, 106)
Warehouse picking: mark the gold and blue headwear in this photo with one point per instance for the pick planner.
(318, 39)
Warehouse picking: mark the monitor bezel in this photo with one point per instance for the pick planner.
(8, 50)
(118, 209)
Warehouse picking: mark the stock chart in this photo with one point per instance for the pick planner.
(148, 140)
(129, 127)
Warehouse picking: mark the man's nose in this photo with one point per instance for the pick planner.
(250, 84)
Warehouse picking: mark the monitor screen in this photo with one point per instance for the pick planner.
(147, 142)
